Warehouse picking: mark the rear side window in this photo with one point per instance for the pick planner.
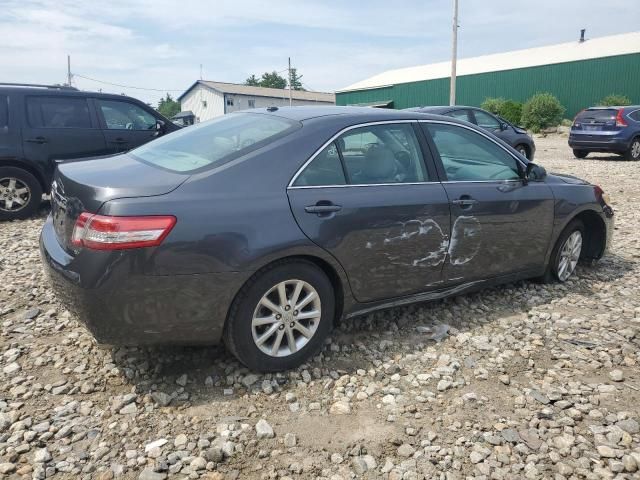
(325, 169)
(635, 115)
(58, 112)
(125, 116)
(215, 142)
(4, 111)
(372, 155)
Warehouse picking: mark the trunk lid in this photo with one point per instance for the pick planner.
(83, 186)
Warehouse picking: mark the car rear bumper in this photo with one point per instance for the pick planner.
(594, 144)
(122, 308)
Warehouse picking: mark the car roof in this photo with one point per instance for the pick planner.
(358, 114)
(61, 90)
(601, 107)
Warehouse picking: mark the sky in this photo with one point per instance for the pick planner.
(160, 44)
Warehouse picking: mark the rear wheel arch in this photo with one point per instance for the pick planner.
(329, 270)
(46, 188)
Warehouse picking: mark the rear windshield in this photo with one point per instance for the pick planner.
(214, 142)
(599, 115)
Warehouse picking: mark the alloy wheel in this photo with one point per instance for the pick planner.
(286, 318)
(635, 149)
(523, 151)
(569, 255)
(14, 194)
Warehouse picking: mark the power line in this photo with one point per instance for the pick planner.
(128, 86)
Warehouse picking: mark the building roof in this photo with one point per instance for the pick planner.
(238, 89)
(622, 44)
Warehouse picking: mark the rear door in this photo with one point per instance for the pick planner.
(500, 224)
(125, 125)
(369, 198)
(58, 128)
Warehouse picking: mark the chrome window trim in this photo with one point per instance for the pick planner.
(306, 187)
(332, 139)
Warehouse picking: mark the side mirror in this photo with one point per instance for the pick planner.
(160, 127)
(534, 172)
(504, 126)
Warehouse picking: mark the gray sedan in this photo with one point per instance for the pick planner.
(265, 228)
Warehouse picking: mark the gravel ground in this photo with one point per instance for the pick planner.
(529, 381)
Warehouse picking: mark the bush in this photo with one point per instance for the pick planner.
(511, 111)
(493, 105)
(541, 111)
(614, 101)
(507, 109)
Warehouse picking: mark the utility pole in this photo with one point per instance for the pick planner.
(69, 70)
(290, 99)
(200, 71)
(454, 54)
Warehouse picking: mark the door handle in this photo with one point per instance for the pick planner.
(322, 208)
(39, 140)
(464, 201)
(119, 140)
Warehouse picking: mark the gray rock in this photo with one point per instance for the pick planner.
(263, 429)
(149, 474)
(42, 456)
(161, 398)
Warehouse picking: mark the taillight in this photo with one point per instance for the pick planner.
(620, 121)
(575, 124)
(100, 232)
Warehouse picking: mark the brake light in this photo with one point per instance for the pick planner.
(620, 121)
(575, 124)
(100, 232)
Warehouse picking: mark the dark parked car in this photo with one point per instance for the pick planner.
(40, 125)
(515, 136)
(607, 129)
(265, 228)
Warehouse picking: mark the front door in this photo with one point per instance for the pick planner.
(371, 201)
(125, 125)
(500, 224)
(59, 128)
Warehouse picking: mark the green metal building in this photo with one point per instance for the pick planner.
(579, 73)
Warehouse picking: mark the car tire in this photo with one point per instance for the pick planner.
(252, 329)
(633, 153)
(580, 153)
(523, 150)
(20, 193)
(555, 272)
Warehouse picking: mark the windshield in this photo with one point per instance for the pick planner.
(214, 142)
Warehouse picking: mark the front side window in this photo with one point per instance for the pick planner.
(485, 120)
(215, 142)
(58, 112)
(125, 116)
(325, 169)
(468, 156)
(4, 111)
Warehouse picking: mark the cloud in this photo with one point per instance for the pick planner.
(161, 43)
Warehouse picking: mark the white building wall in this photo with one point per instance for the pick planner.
(204, 103)
(200, 95)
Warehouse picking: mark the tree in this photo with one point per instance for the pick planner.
(296, 82)
(272, 80)
(252, 81)
(168, 106)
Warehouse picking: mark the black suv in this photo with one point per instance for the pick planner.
(40, 125)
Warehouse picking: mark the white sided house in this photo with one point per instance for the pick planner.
(207, 100)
